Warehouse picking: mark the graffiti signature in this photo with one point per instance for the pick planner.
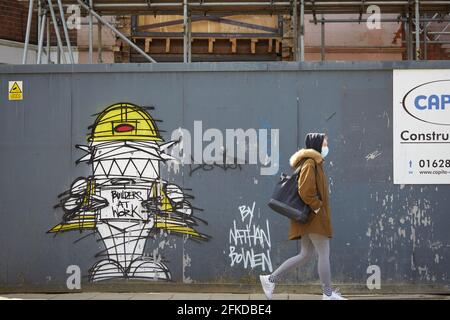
(210, 166)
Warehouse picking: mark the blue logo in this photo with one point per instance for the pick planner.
(432, 102)
(429, 101)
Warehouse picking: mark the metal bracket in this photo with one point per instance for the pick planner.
(314, 11)
(361, 9)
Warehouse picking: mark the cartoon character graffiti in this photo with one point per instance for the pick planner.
(125, 199)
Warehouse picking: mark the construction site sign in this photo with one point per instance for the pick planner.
(15, 90)
(421, 126)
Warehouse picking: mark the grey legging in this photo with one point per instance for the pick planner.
(308, 244)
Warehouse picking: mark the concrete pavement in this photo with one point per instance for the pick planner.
(206, 296)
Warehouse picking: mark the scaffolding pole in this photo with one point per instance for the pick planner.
(41, 37)
(66, 32)
(425, 35)
(91, 32)
(39, 23)
(48, 39)
(27, 34)
(322, 39)
(271, 5)
(252, 7)
(438, 32)
(55, 26)
(100, 43)
(294, 21)
(185, 32)
(117, 32)
(411, 38)
(436, 41)
(39, 13)
(417, 16)
(407, 26)
(381, 20)
(189, 38)
(302, 31)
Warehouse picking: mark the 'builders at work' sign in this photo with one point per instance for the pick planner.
(421, 126)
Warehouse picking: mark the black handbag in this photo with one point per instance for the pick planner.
(286, 200)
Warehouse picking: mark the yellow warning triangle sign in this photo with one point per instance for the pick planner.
(15, 88)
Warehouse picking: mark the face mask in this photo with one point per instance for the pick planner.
(325, 151)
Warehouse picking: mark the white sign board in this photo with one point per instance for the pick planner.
(421, 126)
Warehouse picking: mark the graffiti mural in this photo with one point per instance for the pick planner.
(125, 201)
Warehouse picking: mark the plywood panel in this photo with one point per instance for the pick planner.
(210, 26)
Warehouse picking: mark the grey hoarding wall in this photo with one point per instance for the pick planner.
(208, 222)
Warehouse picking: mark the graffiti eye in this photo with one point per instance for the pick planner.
(124, 128)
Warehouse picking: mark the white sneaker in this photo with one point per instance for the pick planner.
(335, 295)
(267, 285)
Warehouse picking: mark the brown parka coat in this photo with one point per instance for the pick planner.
(319, 222)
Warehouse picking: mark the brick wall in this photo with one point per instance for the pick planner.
(13, 18)
(434, 52)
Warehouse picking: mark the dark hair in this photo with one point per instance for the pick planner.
(315, 141)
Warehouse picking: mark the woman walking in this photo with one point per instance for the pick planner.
(315, 234)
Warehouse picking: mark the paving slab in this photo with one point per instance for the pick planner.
(113, 296)
(28, 296)
(276, 296)
(74, 296)
(8, 298)
(207, 296)
(153, 296)
(398, 297)
(191, 296)
(230, 296)
(295, 296)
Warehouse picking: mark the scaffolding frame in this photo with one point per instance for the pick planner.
(412, 13)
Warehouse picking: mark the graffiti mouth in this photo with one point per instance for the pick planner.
(124, 127)
(122, 181)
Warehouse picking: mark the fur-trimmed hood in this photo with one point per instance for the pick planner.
(305, 153)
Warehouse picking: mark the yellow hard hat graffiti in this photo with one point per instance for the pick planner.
(124, 121)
